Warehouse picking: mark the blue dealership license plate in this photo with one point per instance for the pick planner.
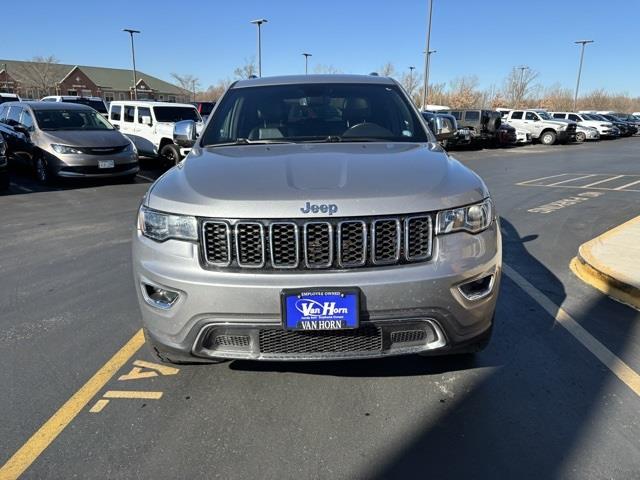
(321, 309)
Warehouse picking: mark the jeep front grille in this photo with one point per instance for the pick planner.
(316, 244)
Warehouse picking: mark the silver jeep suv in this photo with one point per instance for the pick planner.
(316, 218)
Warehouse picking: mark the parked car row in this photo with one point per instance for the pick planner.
(502, 127)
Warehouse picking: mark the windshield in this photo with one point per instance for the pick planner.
(71, 120)
(176, 114)
(314, 112)
(205, 108)
(95, 104)
(545, 116)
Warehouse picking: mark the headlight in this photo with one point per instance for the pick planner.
(64, 149)
(161, 226)
(473, 218)
(562, 127)
(131, 148)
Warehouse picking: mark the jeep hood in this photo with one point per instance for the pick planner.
(276, 181)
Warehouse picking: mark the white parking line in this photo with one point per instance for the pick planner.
(603, 181)
(571, 180)
(146, 178)
(543, 178)
(628, 185)
(21, 188)
(618, 367)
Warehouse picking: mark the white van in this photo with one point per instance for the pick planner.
(151, 126)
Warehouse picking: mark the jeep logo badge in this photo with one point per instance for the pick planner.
(329, 208)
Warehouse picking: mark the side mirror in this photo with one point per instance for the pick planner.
(117, 127)
(184, 133)
(146, 120)
(536, 119)
(444, 129)
(21, 129)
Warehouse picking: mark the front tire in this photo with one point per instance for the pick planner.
(580, 137)
(548, 138)
(171, 154)
(43, 173)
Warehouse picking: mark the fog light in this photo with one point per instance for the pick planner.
(478, 288)
(159, 297)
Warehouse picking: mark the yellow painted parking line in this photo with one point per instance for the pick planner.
(603, 181)
(47, 433)
(99, 405)
(617, 366)
(628, 185)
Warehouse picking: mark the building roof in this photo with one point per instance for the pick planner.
(118, 79)
(319, 78)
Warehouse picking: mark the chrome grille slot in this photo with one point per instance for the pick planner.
(318, 244)
(301, 244)
(250, 244)
(385, 241)
(217, 237)
(283, 241)
(352, 243)
(417, 238)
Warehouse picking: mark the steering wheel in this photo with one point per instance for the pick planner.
(367, 130)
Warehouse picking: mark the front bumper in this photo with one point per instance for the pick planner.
(84, 165)
(222, 314)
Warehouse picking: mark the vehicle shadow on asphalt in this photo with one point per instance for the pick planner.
(523, 417)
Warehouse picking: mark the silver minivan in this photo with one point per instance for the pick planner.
(65, 140)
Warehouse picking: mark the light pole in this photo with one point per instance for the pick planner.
(426, 59)
(193, 87)
(575, 98)
(426, 83)
(6, 80)
(411, 69)
(259, 22)
(133, 58)
(521, 87)
(306, 62)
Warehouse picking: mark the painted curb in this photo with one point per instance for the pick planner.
(620, 291)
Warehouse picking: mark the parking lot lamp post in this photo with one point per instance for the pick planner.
(259, 23)
(306, 63)
(133, 58)
(575, 98)
(427, 55)
(520, 90)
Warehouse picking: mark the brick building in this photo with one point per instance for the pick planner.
(35, 80)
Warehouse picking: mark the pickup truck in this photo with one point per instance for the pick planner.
(542, 126)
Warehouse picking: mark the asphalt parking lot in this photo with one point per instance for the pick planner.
(549, 398)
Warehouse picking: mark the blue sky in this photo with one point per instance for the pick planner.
(210, 38)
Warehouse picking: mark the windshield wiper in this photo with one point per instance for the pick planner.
(246, 141)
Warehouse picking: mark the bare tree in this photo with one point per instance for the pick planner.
(247, 70)
(464, 92)
(187, 82)
(321, 68)
(411, 81)
(519, 86)
(388, 70)
(214, 92)
(39, 74)
(556, 98)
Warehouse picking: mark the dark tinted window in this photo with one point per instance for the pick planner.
(530, 116)
(205, 108)
(315, 112)
(472, 116)
(27, 120)
(574, 117)
(176, 114)
(95, 104)
(558, 115)
(516, 116)
(457, 115)
(85, 119)
(7, 99)
(129, 113)
(14, 115)
(115, 113)
(3, 113)
(143, 112)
